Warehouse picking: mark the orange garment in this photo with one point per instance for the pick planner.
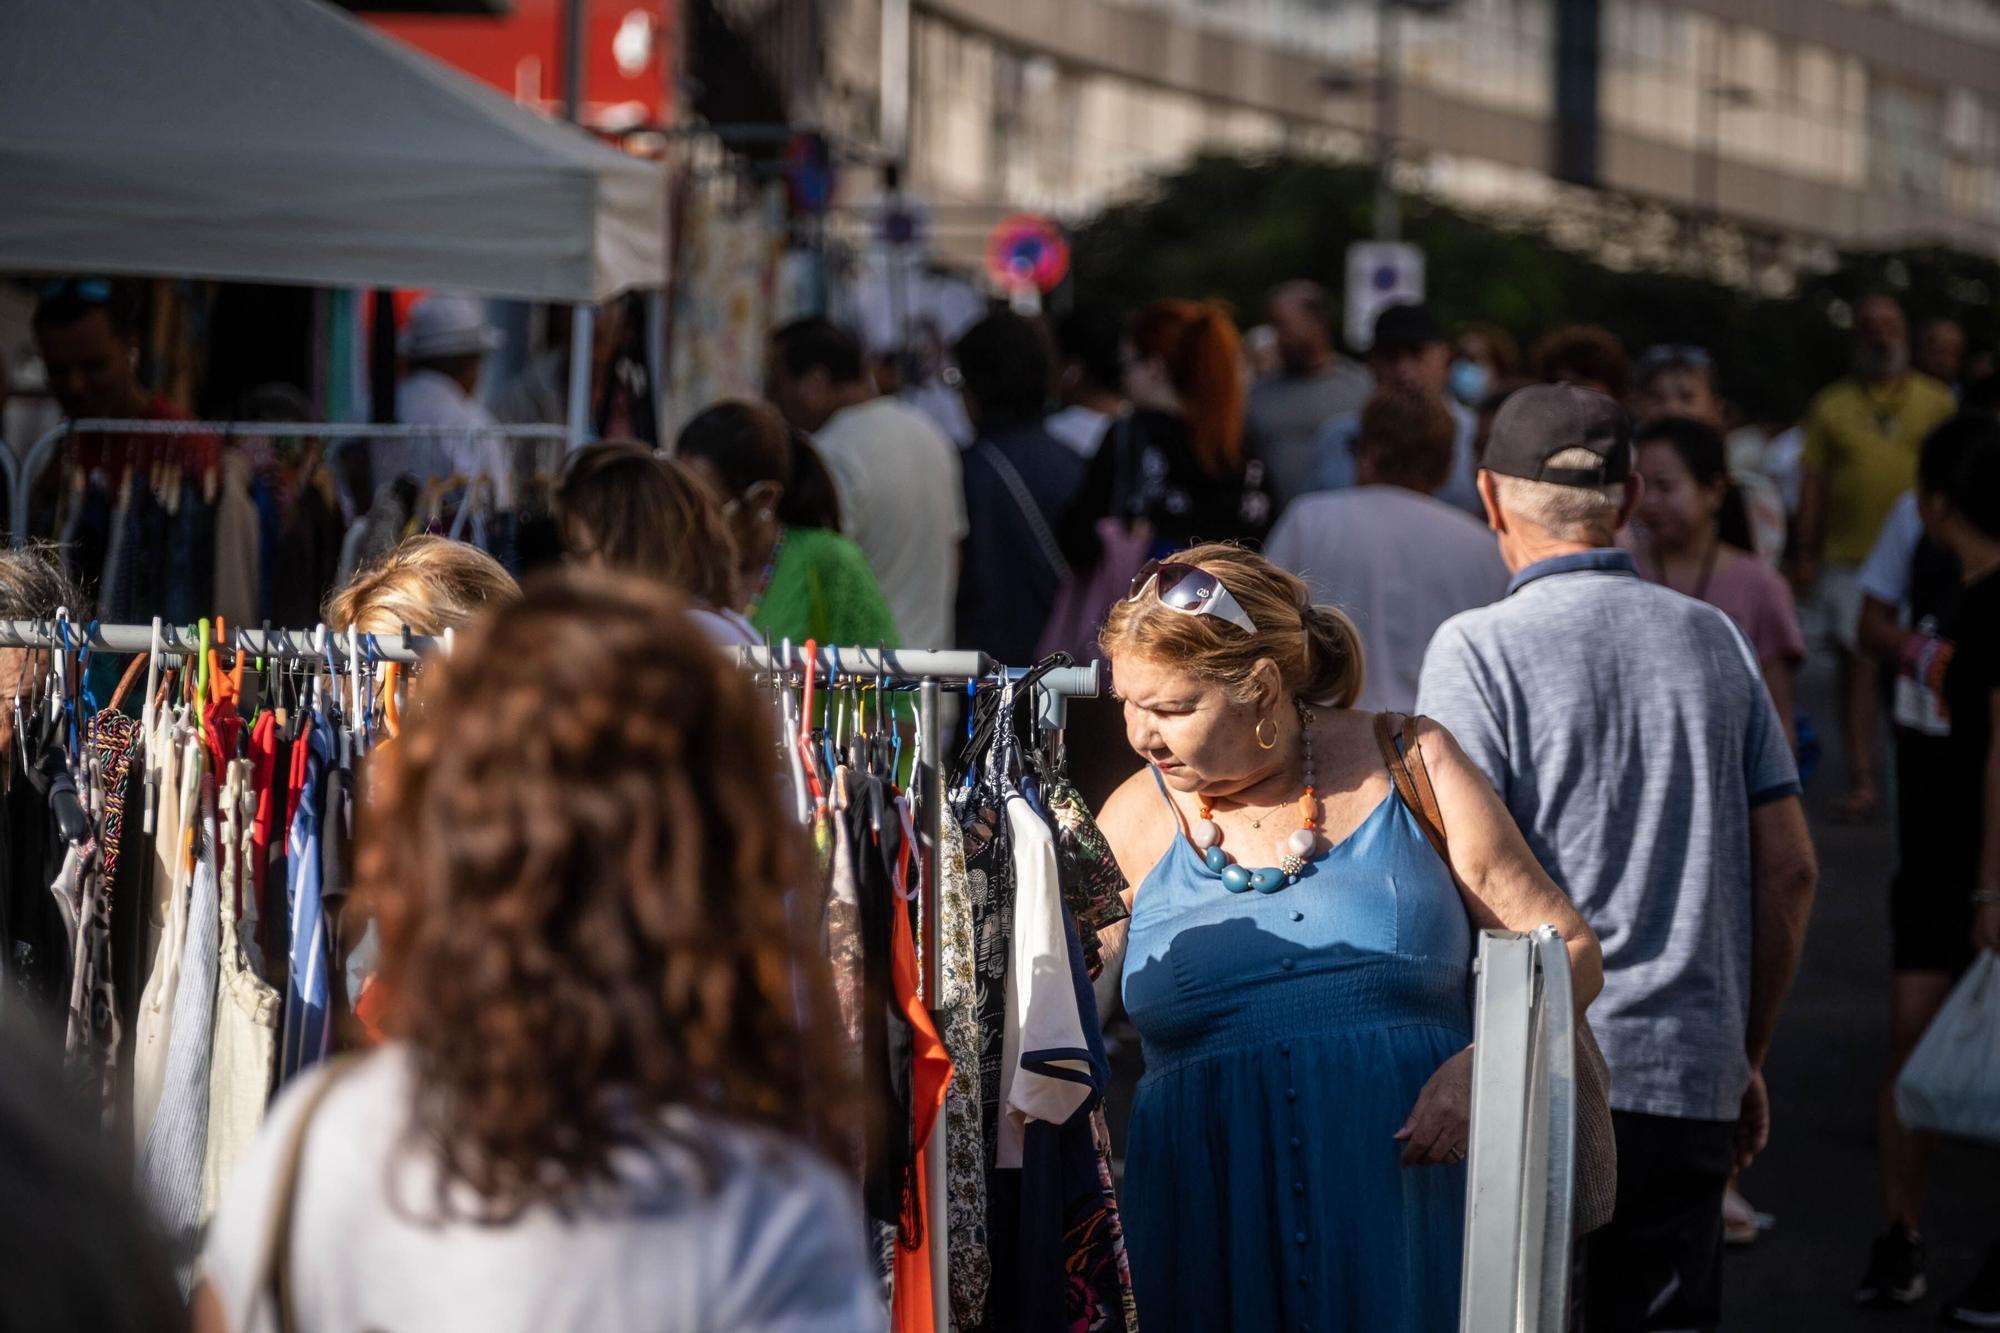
(930, 1075)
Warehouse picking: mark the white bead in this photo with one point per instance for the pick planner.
(1204, 834)
(1302, 842)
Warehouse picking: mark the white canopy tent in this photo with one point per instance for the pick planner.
(283, 141)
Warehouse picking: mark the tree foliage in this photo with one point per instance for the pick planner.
(1231, 228)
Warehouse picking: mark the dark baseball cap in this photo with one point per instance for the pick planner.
(1542, 420)
(1401, 327)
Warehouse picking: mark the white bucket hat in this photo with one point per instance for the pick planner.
(446, 324)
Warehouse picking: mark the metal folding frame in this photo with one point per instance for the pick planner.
(1521, 1162)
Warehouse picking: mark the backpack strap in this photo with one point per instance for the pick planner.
(1031, 512)
(1413, 781)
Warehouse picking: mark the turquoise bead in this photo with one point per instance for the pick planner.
(1236, 879)
(1217, 859)
(1268, 880)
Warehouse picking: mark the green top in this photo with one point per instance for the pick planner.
(822, 589)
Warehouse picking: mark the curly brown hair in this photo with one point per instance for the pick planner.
(580, 869)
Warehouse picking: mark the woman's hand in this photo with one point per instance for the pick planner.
(1436, 1132)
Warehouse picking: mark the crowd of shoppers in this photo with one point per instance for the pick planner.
(1405, 647)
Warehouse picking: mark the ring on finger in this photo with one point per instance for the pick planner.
(1458, 1154)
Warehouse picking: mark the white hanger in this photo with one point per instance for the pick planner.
(149, 714)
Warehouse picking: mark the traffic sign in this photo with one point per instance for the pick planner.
(1026, 251)
(1379, 274)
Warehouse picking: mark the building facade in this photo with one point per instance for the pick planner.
(1858, 123)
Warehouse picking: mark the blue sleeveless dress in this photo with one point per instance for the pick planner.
(1286, 1038)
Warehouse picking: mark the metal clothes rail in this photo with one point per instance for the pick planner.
(1521, 1163)
(21, 481)
(314, 645)
(929, 673)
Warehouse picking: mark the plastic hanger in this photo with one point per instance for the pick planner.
(804, 740)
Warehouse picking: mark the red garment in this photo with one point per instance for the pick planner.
(113, 453)
(270, 810)
(930, 1075)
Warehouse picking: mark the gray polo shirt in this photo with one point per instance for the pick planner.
(1628, 729)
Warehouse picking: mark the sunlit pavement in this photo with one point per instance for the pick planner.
(1819, 1175)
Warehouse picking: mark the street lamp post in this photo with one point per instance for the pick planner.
(1388, 61)
(1716, 97)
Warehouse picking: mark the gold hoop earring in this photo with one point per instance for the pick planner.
(1262, 723)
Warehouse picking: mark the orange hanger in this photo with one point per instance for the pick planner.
(392, 711)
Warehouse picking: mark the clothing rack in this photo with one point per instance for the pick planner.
(292, 645)
(21, 480)
(928, 673)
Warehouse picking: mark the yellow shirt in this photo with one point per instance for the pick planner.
(1864, 441)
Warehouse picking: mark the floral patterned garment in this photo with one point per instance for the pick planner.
(1093, 886)
(964, 1141)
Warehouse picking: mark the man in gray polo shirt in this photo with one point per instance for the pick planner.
(1628, 729)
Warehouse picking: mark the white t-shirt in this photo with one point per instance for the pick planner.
(1885, 575)
(776, 1246)
(726, 629)
(1080, 428)
(1400, 563)
(427, 398)
(1044, 1054)
(902, 503)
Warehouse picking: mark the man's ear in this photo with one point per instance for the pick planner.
(1489, 495)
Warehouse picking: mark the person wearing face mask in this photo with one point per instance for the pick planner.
(1484, 356)
(1297, 962)
(1862, 436)
(1409, 348)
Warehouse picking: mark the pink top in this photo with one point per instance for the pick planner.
(1749, 592)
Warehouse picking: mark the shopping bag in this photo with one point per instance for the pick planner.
(1951, 1082)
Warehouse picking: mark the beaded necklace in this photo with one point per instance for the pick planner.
(764, 579)
(1206, 834)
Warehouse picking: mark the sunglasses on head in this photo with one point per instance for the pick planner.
(1191, 590)
(93, 291)
(1665, 354)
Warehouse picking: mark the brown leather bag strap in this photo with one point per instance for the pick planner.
(284, 1206)
(1412, 779)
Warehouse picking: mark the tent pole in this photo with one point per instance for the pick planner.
(583, 316)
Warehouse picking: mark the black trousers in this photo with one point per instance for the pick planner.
(1657, 1264)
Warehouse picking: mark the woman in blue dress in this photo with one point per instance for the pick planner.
(1298, 966)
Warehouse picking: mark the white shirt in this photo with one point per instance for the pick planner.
(902, 502)
(1400, 563)
(776, 1246)
(1044, 1054)
(1081, 428)
(726, 629)
(428, 398)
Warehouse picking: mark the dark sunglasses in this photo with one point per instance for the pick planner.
(94, 291)
(1191, 590)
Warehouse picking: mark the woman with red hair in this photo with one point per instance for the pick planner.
(1172, 470)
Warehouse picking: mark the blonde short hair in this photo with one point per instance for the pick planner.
(1572, 513)
(1316, 648)
(430, 584)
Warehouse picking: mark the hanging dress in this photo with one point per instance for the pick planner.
(1286, 1038)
